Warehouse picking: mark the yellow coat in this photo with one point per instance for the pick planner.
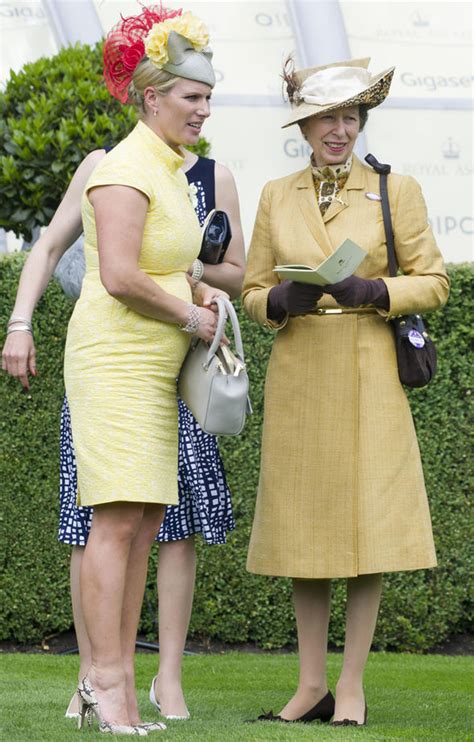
(341, 489)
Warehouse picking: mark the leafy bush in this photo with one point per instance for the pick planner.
(52, 113)
(419, 609)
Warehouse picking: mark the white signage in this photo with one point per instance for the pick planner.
(430, 43)
(25, 35)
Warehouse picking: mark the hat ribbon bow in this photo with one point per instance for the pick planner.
(334, 85)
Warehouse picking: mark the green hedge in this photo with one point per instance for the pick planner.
(419, 609)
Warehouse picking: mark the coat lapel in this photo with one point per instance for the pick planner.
(336, 207)
(308, 206)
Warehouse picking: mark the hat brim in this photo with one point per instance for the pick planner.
(373, 95)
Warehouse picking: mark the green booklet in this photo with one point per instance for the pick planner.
(338, 266)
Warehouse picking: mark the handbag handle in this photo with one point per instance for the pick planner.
(383, 170)
(225, 310)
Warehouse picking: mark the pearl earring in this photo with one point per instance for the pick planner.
(155, 112)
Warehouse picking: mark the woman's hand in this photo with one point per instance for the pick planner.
(19, 356)
(356, 292)
(205, 296)
(207, 325)
(291, 297)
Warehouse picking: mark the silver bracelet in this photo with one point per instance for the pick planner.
(198, 270)
(21, 321)
(17, 327)
(192, 320)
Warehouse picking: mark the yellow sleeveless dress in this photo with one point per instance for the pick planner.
(120, 366)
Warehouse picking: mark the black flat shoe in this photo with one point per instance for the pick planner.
(350, 722)
(322, 711)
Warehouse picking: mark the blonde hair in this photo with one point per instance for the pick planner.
(148, 75)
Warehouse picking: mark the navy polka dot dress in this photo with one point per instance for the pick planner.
(204, 498)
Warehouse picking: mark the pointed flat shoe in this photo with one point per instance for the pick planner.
(321, 711)
(350, 722)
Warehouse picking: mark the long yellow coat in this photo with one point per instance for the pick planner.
(341, 489)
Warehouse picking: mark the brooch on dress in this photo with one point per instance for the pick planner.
(373, 196)
(192, 194)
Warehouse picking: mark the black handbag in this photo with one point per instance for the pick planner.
(416, 352)
(216, 235)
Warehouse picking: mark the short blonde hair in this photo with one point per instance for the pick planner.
(148, 75)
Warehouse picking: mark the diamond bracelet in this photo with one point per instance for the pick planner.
(198, 270)
(192, 320)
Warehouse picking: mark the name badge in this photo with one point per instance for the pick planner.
(416, 338)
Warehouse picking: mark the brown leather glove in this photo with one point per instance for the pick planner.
(290, 297)
(355, 291)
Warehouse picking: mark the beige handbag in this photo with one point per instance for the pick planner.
(213, 381)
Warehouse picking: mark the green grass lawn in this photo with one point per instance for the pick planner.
(409, 697)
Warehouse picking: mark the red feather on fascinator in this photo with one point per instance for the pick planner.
(124, 47)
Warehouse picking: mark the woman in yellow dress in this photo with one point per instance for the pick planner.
(129, 333)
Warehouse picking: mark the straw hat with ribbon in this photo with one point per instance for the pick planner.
(316, 90)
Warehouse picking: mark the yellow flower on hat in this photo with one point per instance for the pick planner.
(156, 44)
(187, 25)
(192, 28)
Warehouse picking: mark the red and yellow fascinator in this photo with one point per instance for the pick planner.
(172, 40)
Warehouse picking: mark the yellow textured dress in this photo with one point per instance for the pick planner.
(120, 366)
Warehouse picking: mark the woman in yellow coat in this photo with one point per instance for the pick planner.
(341, 491)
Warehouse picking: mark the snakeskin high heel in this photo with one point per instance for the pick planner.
(89, 708)
(152, 726)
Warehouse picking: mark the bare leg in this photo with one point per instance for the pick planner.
(83, 643)
(136, 579)
(363, 600)
(176, 576)
(312, 600)
(103, 588)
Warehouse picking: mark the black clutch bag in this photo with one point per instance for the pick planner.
(416, 352)
(216, 235)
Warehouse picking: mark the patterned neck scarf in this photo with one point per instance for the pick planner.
(328, 181)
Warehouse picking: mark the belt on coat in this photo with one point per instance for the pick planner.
(343, 310)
